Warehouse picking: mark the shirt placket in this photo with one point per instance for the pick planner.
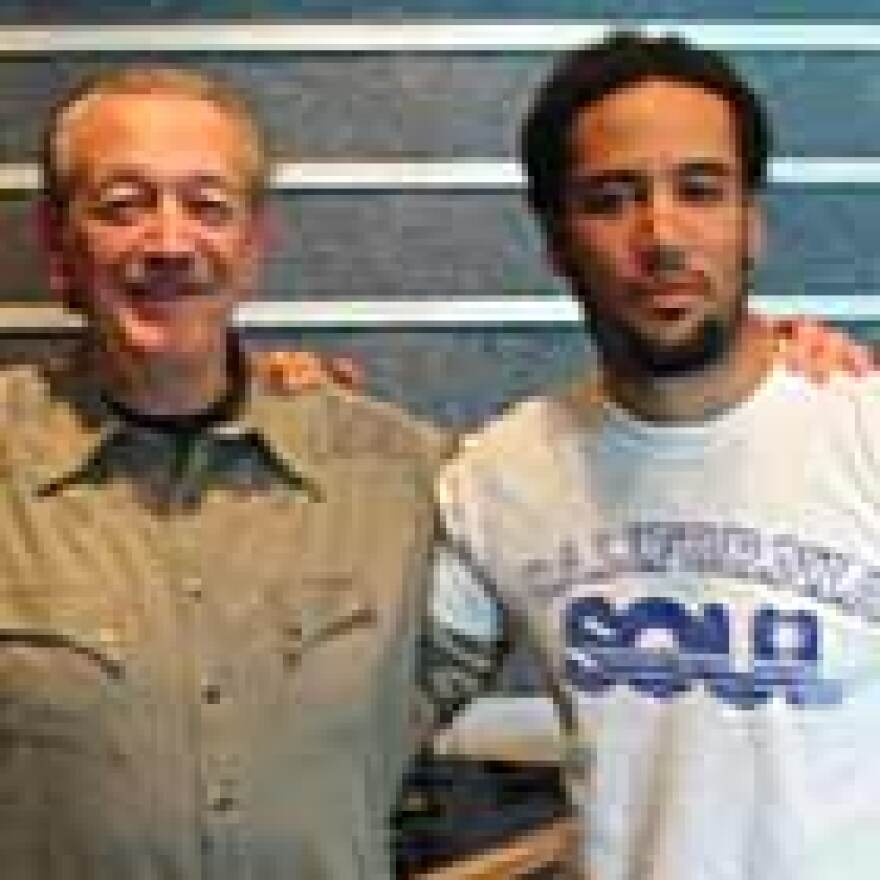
(215, 709)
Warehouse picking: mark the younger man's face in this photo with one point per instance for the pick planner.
(657, 229)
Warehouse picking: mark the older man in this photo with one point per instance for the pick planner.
(207, 594)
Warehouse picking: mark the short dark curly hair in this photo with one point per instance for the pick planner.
(586, 75)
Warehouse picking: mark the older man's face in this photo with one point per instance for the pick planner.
(159, 240)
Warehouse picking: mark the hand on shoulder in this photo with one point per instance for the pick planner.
(289, 372)
(818, 351)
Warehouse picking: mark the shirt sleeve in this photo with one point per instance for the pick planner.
(464, 637)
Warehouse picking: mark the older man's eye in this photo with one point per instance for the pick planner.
(212, 211)
(120, 202)
(119, 210)
(702, 189)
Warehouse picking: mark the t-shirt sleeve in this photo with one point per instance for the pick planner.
(464, 636)
(868, 416)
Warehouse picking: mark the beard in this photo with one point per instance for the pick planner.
(707, 345)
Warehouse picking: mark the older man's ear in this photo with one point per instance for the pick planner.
(49, 235)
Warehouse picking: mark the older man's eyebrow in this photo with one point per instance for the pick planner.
(216, 181)
(133, 176)
(706, 168)
(117, 177)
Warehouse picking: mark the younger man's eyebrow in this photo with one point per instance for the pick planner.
(599, 178)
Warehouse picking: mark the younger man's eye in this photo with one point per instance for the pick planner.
(603, 197)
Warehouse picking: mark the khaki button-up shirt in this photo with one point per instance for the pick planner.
(206, 647)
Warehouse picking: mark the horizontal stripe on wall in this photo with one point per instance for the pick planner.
(425, 312)
(45, 12)
(470, 174)
(413, 36)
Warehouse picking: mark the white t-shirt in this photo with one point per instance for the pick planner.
(706, 599)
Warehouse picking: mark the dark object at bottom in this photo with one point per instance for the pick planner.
(452, 809)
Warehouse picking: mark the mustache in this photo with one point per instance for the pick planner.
(167, 278)
(665, 266)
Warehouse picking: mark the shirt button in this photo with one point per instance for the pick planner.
(222, 803)
(211, 694)
(192, 588)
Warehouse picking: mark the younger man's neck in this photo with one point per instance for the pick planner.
(697, 396)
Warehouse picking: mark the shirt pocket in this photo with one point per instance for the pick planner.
(330, 639)
(69, 763)
(38, 651)
(64, 711)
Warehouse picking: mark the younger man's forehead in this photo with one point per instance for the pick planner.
(655, 120)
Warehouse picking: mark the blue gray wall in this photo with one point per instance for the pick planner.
(456, 105)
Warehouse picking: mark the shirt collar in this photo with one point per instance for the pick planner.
(88, 425)
(285, 441)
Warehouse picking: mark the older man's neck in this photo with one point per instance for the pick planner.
(158, 386)
(698, 396)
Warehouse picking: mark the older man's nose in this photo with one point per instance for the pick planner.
(170, 232)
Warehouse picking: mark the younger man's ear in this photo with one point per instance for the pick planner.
(556, 252)
(756, 230)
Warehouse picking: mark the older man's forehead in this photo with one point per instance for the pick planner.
(166, 135)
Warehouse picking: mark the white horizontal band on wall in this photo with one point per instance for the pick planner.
(469, 174)
(512, 310)
(440, 36)
(450, 313)
(487, 174)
